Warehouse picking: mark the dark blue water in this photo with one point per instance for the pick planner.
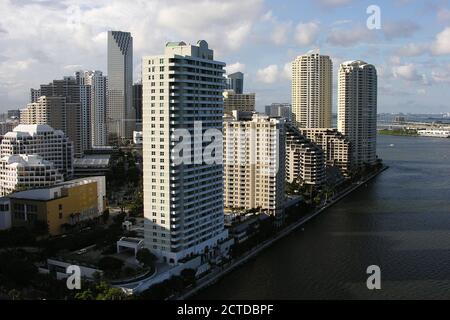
(400, 222)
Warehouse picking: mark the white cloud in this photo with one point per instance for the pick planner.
(333, 3)
(443, 15)
(281, 32)
(235, 67)
(43, 38)
(350, 37)
(306, 33)
(399, 29)
(412, 50)
(268, 74)
(407, 72)
(441, 45)
(287, 71)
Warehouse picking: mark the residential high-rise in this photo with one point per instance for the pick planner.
(26, 171)
(52, 145)
(283, 110)
(336, 147)
(305, 161)
(238, 101)
(254, 164)
(120, 114)
(73, 113)
(312, 91)
(34, 94)
(235, 82)
(58, 114)
(357, 109)
(137, 104)
(96, 115)
(183, 200)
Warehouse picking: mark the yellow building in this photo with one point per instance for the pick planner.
(64, 204)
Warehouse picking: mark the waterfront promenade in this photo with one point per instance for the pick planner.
(220, 271)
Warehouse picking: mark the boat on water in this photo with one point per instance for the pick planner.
(436, 133)
(391, 145)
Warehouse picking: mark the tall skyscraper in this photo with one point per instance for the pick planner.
(183, 202)
(312, 91)
(235, 82)
(357, 109)
(96, 113)
(58, 114)
(120, 114)
(67, 106)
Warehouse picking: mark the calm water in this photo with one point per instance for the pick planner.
(400, 221)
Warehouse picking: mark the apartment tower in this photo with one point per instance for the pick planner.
(357, 109)
(312, 91)
(183, 202)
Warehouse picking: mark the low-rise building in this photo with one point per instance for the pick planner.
(19, 172)
(137, 137)
(66, 203)
(92, 165)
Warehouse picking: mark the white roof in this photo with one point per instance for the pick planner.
(31, 130)
(22, 160)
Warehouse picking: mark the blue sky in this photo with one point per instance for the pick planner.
(45, 39)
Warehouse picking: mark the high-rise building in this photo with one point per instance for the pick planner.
(336, 147)
(137, 104)
(238, 101)
(357, 109)
(120, 114)
(20, 171)
(183, 202)
(73, 113)
(235, 82)
(95, 114)
(34, 94)
(254, 164)
(58, 114)
(52, 145)
(312, 91)
(305, 161)
(282, 110)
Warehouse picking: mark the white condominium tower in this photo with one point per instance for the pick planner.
(312, 90)
(120, 114)
(254, 163)
(183, 203)
(41, 139)
(357, 109)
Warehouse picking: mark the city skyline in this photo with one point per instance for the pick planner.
(412, 56)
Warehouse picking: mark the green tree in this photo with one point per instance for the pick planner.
(145, 257)
(110, 265)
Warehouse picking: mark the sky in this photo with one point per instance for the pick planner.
(42, 40)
